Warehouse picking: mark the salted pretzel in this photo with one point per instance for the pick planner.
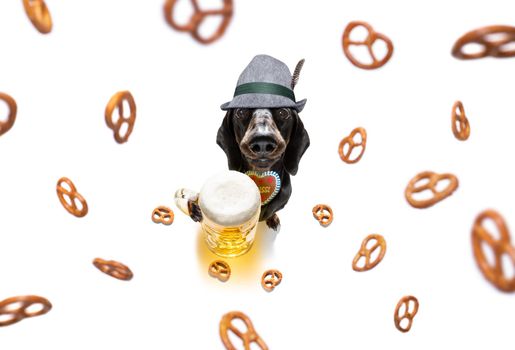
(6, 125)
(323, 214)
(407, 314)
(117, 102)
(248, 337)
(496, 41)
(271, 279)
(113, 268)
(430, 180)
(17, 308)
(39, 15)
(220, 270)
(460, 123)
(163, 215)
(500, 247)
(369, 41)
(349, 140)
(73, 196)
(195, 21)
(366, 253)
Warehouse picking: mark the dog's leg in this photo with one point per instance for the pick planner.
(273, 222)
(195, 212)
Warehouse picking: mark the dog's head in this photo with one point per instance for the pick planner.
(261, 137)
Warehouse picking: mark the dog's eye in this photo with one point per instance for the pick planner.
(283, 113)
(242, 113)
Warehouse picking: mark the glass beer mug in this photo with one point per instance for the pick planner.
(230, 204)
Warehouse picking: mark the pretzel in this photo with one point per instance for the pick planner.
(369, 43)
(248, 337)
(345, 156)
(501, 246)
(6, 125)
(220, 270)
(366, 253)
(114, 269)
(72, 195)
(459, 118)
(17, 308)
(433, 179)
(39, 15)
(117, 102)
(271, 279)
(163, 215)
(195, 21)
(323, 214)
(408, 315)
(495, 40)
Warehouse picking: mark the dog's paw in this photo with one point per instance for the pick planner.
(273, 222)
(195, 212)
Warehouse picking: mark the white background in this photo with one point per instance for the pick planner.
(62, 82)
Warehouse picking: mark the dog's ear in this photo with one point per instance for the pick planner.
(227, 141)
(299, 142)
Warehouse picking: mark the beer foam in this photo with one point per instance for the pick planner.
(230, 198)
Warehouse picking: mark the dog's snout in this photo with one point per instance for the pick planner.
(263, 146)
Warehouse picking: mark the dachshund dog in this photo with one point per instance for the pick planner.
(265, 139)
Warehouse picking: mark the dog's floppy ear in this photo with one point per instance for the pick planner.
(227, 141)
(299, 142)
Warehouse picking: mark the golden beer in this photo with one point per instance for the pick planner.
(230, 204)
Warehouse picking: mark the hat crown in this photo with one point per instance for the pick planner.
(266, 69)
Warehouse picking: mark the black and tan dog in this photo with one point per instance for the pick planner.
(262, 140)
(262, 134)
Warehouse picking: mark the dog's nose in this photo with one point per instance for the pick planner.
(263, 146)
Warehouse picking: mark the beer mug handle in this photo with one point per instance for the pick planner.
(182, 197)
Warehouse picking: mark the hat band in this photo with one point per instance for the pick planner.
(264, 88)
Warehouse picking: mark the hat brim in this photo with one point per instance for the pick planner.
(263, 101)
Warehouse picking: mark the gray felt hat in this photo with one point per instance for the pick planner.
(265, 83)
